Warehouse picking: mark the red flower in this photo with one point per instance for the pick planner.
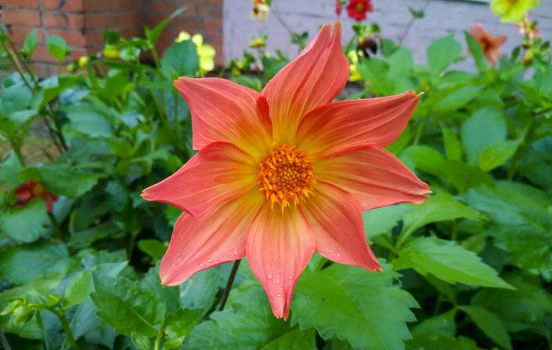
(285, 172)
(32, 189)
(338, 7)
(357, 9)
(490, 44)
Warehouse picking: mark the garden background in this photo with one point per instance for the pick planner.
(89, 118)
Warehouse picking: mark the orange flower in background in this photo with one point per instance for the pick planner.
(31, 190)
(357, 9)
(285, 172)
(489, 43)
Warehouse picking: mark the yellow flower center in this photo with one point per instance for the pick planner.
(285, 176)
(359, 7)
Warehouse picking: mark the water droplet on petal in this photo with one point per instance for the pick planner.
(278, 294)
(269, 276)
(201, 264)
(289, 278)
(338, 254)
(277, 281)
(235, 252)
(209, 260)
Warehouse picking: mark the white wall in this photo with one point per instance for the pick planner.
(442, 17)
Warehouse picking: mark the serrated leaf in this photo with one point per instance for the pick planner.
(440, 342)
(66, 180)
(485, 128)
(293, 340)
(497, 154)
(453, 149)
(180, 323)
(85, 119)
(443, 324)
(442, 53)
(23, 264)
(447, 261)
(382, 220)
(440, 207)
(365, 308)
(26, 224)
(489, 324)
(477, 52)
(57, 47)
(127, 306)
(180, 59)
(521, 226)
(250, 325)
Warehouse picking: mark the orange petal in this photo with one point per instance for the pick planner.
(278, 248)
(227, 112)
(342, 125)
(217, 174)
(374, 176)
(336, 220)
(312, 79)
(219, 238)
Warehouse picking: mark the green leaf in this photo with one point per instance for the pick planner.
(440, 207)
(154, 248)
(442, 53)
(536, 164)
(477, 52)
(249, 324)
(443, 324)
(453, 149)
(447, 261)
(365, 308)
(527, 307)
(440, 342)
(482, 130)
(180, 323)
(489, 324)
(520, 225)
(497, 155)
(180, 59)
(87, 120)
(382, 220)
(127, 306)
(29, 45)
(57, 47)
(66, 180)
(455, 98)
(293, 340)
(26, 224)
(23, 264)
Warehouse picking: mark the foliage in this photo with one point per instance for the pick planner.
(470, 268)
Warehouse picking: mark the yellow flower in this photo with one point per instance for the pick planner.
(111, 51)
(260, 10)
(83, 61)
(205, 52)
(353, 59)
(512, 11)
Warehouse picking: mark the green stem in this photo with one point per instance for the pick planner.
(157, 343)
(419, 130)
(67, 329)
(229, 283)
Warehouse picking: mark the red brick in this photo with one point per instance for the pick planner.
(42, 54)
(21, 17)
(28, 4)
(64, 5)
(18, 34)
(62, 20)
(73, 38)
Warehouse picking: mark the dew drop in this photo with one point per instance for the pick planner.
(269, 276)
(278, 294)
(289, 278)
(338, 254)
(235, 252)
(277, 281)
(209, 260)
(201, 264)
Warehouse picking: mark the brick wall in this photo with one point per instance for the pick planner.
(81, 22)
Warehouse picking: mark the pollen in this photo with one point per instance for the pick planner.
(285, 176)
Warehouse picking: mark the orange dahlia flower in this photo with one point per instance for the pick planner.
(284, 172)
(490, 44)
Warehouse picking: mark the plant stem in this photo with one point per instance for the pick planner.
(409, 25)
(157, 343)
(66, 328)
(4, 341)
(229, 284)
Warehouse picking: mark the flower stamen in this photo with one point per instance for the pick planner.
(285, 176)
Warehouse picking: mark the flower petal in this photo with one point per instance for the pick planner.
(217, 174)
(374, 176)
(341, 125)
(227, 112)
(336, 220)
(278, 248)
(312, 79)
(197, 245)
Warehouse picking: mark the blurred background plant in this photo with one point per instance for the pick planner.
(470, 268)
